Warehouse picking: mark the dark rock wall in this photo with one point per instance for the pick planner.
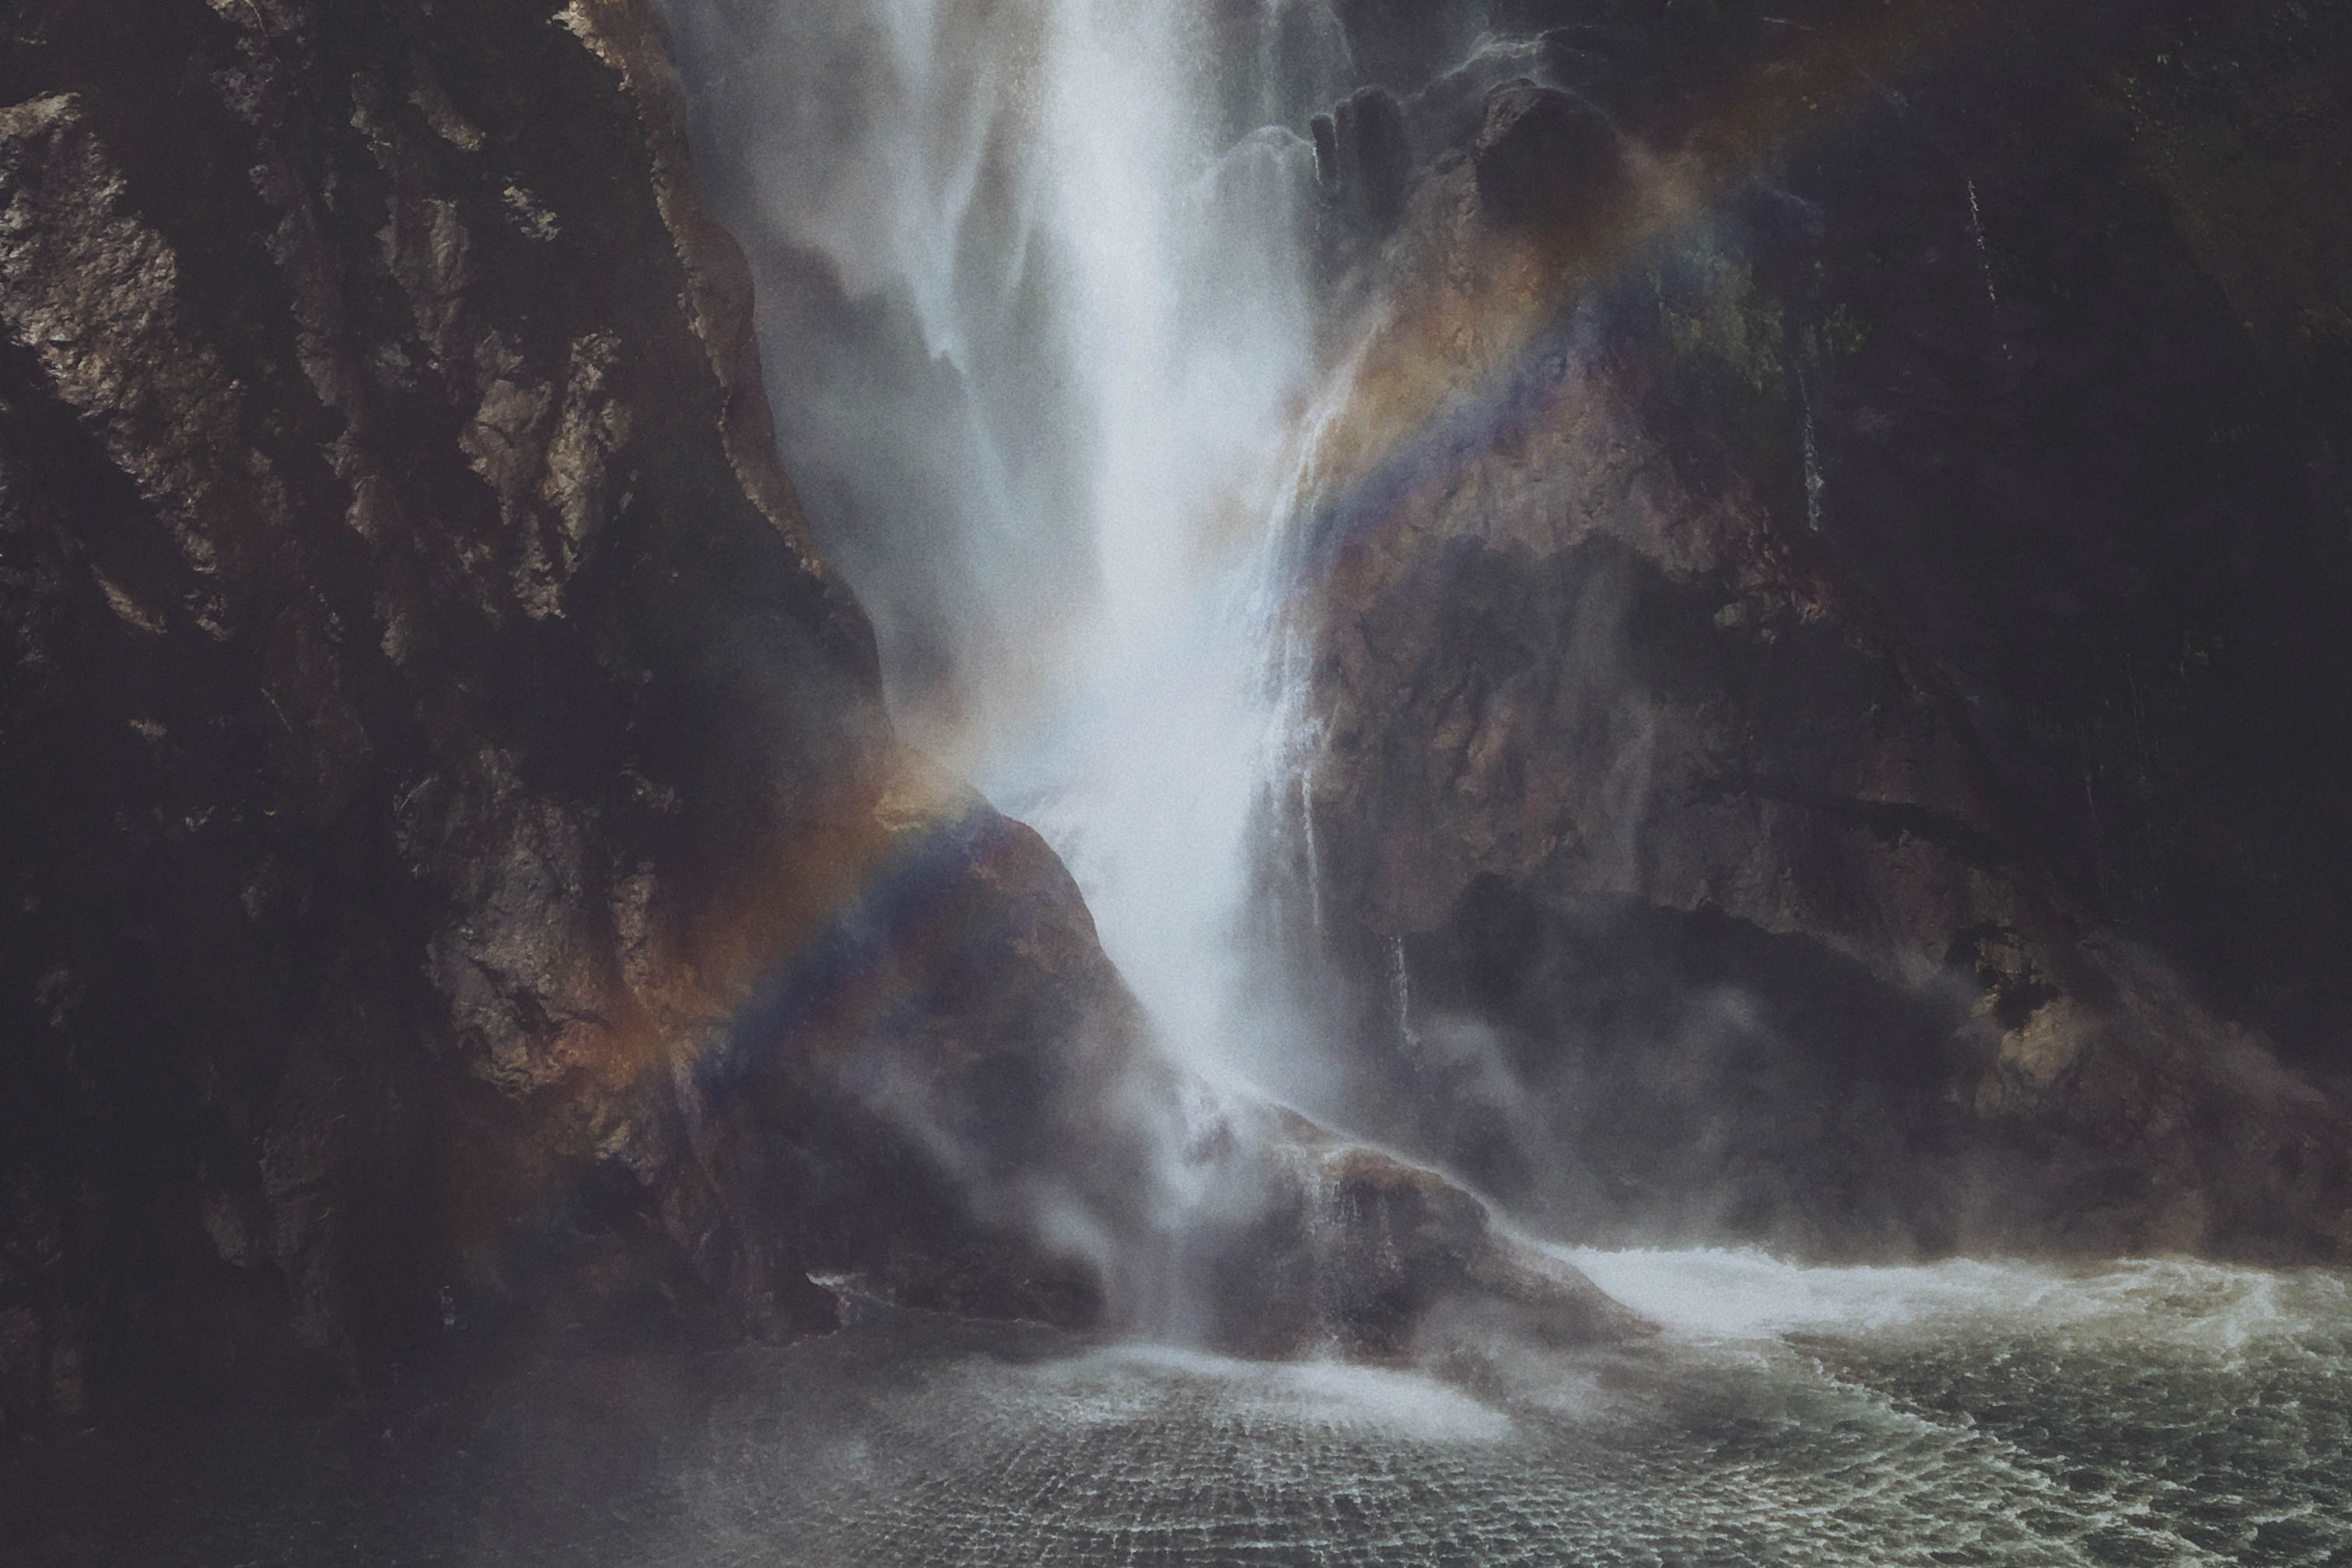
(463, 893)
(425, 729)
(1831, 695)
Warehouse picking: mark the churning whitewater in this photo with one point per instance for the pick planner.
(1964, 1412)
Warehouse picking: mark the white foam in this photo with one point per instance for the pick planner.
(1320, 1395)
(1742, 1294)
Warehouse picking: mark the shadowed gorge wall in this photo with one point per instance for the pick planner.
(425, 727)
(1826, 657)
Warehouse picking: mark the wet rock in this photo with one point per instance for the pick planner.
(1363, 155)
(1407, 1253)
(429, 732)
(1737, 703)
(1546, 159)
(1334, 1247)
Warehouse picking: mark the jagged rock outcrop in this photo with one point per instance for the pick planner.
(426, 726)
(1822, 651)
(388, 528)
(1363, 155)
(1547, 160)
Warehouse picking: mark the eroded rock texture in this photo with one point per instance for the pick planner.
(1831, 687)
(426, 729)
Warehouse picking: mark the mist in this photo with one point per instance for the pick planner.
(1047, 366)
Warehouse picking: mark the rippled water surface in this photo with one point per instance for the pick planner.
(2155, 1413)
(1964, 1412)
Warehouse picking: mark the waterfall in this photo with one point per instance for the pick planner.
(1307, 836)
(1100, 256)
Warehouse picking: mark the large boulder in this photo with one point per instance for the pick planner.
(1314, 1243)
(462, 887)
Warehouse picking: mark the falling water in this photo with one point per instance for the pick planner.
(1072, 203)
(1314, 856)
(1114, 381)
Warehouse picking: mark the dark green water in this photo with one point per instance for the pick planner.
(1962, 1414)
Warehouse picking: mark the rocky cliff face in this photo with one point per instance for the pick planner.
(426, 731)
(1826, 661)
